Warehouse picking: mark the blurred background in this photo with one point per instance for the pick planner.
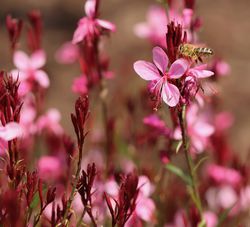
(226, 29)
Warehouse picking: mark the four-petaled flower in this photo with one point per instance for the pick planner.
(90, 26)
(157, 72)
(28, 70)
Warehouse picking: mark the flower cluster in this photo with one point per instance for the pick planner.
(119, 164)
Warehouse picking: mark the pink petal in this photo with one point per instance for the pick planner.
(49, 167)
(20, 75)
(154, 121)
(192, 114)
(90, 8)
(170, 94)
(106, 24)
(21, 60)
(68, 53)
(227, 197)
(160, 59)
(201, 73)
(145, 186)
(142, 30)
(224, 175)
(10, 131)
(178, 68)
(187, 17)
(80, 32)
(145, 208)
(222, 68)
(42, 78)
(146, 70)
(24, 88)
(223, 121)
(198, 143)
(211, 219)
(203, 129)
(111, 187)
(201, 67)
(80, 85)
(38, 59)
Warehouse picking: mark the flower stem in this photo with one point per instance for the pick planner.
(72, 194)
(194, 189)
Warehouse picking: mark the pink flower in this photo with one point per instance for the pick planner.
(50, 121)
(199, 130)
(223, 175)
(223, 121)
(155, 28)
(157, 73)
(224, 197)
(156, 123)
(68, 53)
(211, 219)
(27, 117)
(28, 69)
(245, 198)
(90, 26)
(80, 85)
(9, 132)
(222, 68)
(145, 206)
(49, 168)
(180, 220)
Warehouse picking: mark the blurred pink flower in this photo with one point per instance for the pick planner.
(145, 206)
(245, 198)
(90, 26)
(220, 67)
(27, 117)
(223, 121)
(223, 68)
(28, 69)
(211, 219)
(50, 121)
(10, 131)
(224, 197)
(224, 175)
(157, 72)
(199, 130)
(156, 123)
(49, 168)
(68, 53)
(80, 85)
(180, 220)
(155, 27)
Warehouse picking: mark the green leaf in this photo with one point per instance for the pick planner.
(224, 215)
(178, 147)
(179, 172)
(199, 163)
(202, 223)
(35, 201)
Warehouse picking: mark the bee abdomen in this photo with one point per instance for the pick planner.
(203, 51)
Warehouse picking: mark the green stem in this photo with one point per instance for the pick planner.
(189, 160)
(79, 223)
(72, 194)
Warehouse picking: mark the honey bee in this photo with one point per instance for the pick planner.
(194, 52)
